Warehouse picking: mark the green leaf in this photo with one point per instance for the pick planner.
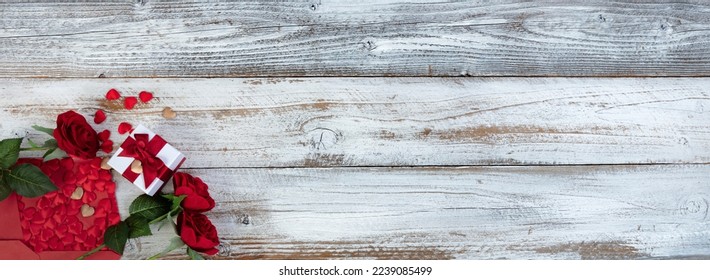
(33, 144)
(116, 237)
(175, 243)
(149, 207)
(51, 143)
(139, 227)
(44, 129)
(194, 255)
(176, 201)
(54, 153)
(5, 191)
(29, 181)
(9, 152)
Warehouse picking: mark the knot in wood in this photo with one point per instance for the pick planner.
(694, 206)
(323, 138)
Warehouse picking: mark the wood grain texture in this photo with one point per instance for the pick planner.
(392, 121)
(572, 212)
(354, 38)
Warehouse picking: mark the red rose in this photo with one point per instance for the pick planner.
(75, 136)
(197, 197)
(197, 232)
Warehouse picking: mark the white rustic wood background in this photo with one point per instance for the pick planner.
(333, 129)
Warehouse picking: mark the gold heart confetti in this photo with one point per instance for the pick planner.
(137, 166)
(104, 164)
(168, 113)
(77, 194)
(87, 211)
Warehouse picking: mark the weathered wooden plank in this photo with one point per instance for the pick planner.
(354, 38)
(393, 121)
(588, 212)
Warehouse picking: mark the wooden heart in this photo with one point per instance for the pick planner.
(87, 211)
(104, 164)
(137, 166)
(168, 113)
(77, 194)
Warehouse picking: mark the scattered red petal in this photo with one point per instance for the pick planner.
(124, 127)
(113, 94)
(95, 163)
(130, 102)
(88, 197)
(145, 96)
(107, 146)
(99, 117)
(104, 135)
(105, 175)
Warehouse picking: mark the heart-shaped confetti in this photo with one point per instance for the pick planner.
(168, 113)
(130, 102)
(87, 211)
(104, 135)
(99, 117)
(113, 94)
(104, 164)
(124, 127)
(107, 146)
(145, 96)
(137, 166)
(77, 194)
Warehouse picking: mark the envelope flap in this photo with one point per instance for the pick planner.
(10, 219)
(16, 250)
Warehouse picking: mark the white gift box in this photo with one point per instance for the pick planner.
(168, 160)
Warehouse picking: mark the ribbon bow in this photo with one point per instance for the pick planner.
(144, 149)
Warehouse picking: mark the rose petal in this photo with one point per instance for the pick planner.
(99, 117)
(113, 94)
(107, 146)
(130, 102)
(88, 197)
(145, 96)
(95, 163)
(100, 186)
(105, 175)
(124, 127)
(110, 187)
(104, 135)
(67, 164)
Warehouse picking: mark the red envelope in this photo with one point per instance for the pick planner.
(53, 226)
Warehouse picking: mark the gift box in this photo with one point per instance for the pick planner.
(63, 224)
(147, 160)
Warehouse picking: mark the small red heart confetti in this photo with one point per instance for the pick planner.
(99, 117)
(130, 102)
(107, 146)
(145, 96)
(113, 94)
(104, 135)
(124, 127)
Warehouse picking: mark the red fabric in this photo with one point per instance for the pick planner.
(51, 226)
(144, 150)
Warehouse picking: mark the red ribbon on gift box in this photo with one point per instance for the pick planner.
(145, 150)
